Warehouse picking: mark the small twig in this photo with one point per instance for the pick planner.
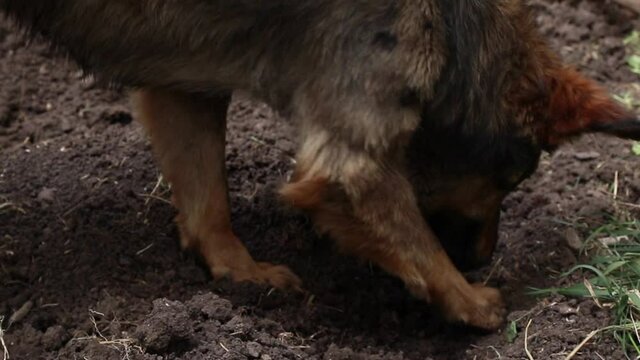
(273, 146)
(155, 198)
(615, 185)
(493, 270)
(11, 206)
(582, 344)
(634, 206)
(592, 293)
(141, 251)
(123, 346)
(224, 347)
(20, 313)
(95, 324)
(631, 4)
(155, 188)
(5, 351)
(116, 342)
(69, 211)
(635, 325)
(496, 351)
(526, 340)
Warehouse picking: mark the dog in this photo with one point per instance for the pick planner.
(415, 119)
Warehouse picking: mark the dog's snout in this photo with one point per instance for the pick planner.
(469, 242)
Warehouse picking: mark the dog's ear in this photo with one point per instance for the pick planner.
(578, 105)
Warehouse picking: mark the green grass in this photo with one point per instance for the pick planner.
(632, 42)
(612, 275)
(628, 99)
(611, 279)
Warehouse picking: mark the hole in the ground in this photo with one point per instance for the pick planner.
(119, 117)
(179, 346)
(9, 116)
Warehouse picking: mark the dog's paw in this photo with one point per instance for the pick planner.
(476, 305)
(278, 276)
(228, 258)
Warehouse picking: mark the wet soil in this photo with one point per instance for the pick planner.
(90, 266)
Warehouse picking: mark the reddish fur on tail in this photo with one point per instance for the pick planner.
(578, 105)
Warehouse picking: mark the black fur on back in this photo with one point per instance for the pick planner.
(468, 128)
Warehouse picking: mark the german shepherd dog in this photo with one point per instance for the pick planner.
(415, 119)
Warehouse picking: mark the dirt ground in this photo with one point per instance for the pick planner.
(90, 262)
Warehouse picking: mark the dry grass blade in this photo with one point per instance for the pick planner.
(11, 206)
(126, 347)
(526, 340)
(154, 197)
(5, 351)
(582, 344)
(494, 269)
(154, 191)
(160, 189)
(21, 313)
(631, 4)
(287, 153)
(611, 279)
(616, 183)
(634, 323)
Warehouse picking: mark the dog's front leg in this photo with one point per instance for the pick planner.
(379, 219)
(188, 137)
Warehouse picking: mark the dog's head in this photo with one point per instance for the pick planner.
(503, 98)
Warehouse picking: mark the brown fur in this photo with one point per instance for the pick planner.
(384, 93)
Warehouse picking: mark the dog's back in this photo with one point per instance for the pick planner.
(190, 44)
(202, 46)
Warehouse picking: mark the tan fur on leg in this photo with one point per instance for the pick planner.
(188, 137)
(383, 227)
